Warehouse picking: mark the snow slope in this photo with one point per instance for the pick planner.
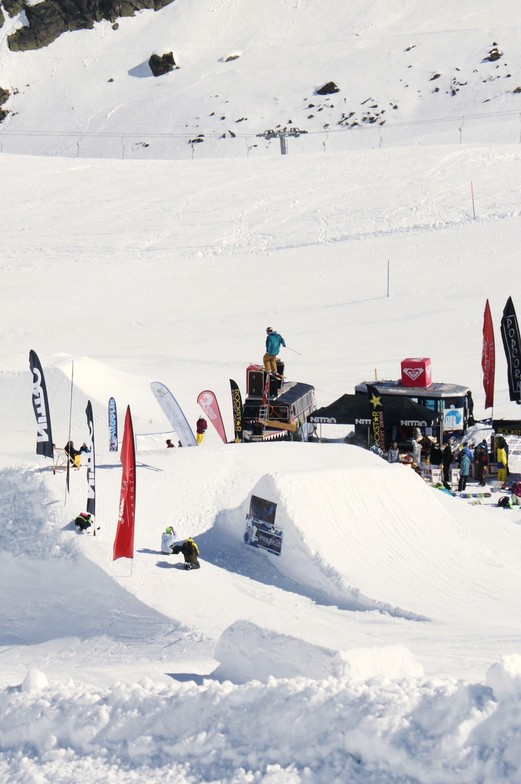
(406, 73)
(383, 645)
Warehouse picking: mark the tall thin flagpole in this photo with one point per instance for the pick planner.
(68, 473)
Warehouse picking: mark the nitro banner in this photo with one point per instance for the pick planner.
(44, 445)
(124, 540)
(113, 426)
(377, 418)
(512, 346)
(91, 463)
(488, 357)
(210, 406)
(174, 413)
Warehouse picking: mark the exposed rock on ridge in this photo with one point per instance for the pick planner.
(48, 20)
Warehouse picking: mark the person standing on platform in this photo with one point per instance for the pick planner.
(274, 341)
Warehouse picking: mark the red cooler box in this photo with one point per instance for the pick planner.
(416, 372)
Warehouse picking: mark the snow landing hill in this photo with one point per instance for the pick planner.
(383, 645)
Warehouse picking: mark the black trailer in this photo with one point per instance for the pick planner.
(274, 408)
(452, 403)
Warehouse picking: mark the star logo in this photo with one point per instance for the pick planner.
(375, 400)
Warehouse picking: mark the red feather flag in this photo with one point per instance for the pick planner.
(124, 540)
(488, 358)
(210, 406)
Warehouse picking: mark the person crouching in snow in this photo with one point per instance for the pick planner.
(83, 521)
(190, 552)
(75, 454)
(167, 540)
(200, 428)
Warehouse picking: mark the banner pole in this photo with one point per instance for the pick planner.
(68, 472)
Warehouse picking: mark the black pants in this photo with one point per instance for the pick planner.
(481, 473)
(462, 484)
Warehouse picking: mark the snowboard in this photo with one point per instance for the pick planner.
(475, 495)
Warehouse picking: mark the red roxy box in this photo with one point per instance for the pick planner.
(416, 372)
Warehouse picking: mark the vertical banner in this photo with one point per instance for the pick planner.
(113, 426)
(488, 357)
(377, 417)
(237, 410)
(91, 463)
(124, 540)
(44, 445)
(210, 406)
(512, 346)
(69, 442)
(174, 413)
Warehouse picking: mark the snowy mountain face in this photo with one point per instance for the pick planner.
(250, 78)
(150, 234)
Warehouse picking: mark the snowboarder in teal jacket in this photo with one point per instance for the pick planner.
(273, 343)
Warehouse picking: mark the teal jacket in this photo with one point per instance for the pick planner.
(273, 343)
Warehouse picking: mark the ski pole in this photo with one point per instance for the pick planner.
(292, 349)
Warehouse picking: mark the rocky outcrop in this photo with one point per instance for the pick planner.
(4, 95)
(13, 7)
(327, 89)
(493, 55)
(49, 19)
(161, 64)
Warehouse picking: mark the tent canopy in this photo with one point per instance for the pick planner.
(356, 410)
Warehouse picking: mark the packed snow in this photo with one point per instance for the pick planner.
(383, 644)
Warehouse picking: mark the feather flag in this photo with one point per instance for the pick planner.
(210, 406)
(237, 410)
(44, 444)
(512, 346)
(91, 463)
(488, 357)
(113, 425)
(173, 413)
(124, 540)
(377, 417)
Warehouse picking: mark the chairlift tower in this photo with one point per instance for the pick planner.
(281, 135)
